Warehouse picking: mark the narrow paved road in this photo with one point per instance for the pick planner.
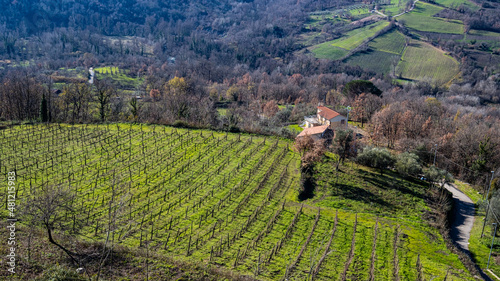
(463, 218)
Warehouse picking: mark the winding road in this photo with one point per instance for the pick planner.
(463, 218)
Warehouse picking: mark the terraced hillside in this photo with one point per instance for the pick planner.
(223, 199)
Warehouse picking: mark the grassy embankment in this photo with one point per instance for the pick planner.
(480, 247)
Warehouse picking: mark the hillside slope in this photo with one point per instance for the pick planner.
(223, 199)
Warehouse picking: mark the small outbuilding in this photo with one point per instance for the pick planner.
(316, 133)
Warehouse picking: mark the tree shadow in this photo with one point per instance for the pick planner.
(361, 195)
(308, 188)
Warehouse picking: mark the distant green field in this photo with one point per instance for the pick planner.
(377, 61)
(355, 37)
(484, 33)
(422, 61)
(390, 42)
(359, 13)
(347, 13)
(329, 52)
(394, 8)
(338, 48)
(421, 18)
(457, 3)
(317, 21)
(120, 76)
(385, 49)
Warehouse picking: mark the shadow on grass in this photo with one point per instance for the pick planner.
(360, 195)
(390, 181)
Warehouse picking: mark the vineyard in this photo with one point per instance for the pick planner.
(339, 47)
(439, 67)
(224, 199)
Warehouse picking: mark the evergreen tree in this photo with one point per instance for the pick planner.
(44, 114)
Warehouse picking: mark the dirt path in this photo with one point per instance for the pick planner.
(463, 218)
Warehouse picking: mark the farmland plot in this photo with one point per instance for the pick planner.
(422, 61)
(338, 48)
(213, 197)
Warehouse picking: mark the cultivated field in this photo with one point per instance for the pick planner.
(336, 49)
(456, 3)
(225, 199)
(377, 61)
(421, 18)
(386, 52)
(119, 76)
(390, 42)
(392, 7)
(422, 61)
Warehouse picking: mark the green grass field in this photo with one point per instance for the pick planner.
(421, 18)
(121, 77)
(456, 3)
(328, 51)
(422, 61)
(338, 48)
(317, 21)
(484, 33)
(227, 200)
(390, 42)
(349, 13)
(395, 7)
(364, 189)
(387, 49)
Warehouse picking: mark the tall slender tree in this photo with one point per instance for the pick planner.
(44, 112)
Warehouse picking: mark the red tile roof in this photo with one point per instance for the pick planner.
(327, 113)
(313, 131)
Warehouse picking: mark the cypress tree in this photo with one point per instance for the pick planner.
(44, 114)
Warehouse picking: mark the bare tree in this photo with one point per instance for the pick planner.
(75, 100)
(49, 208)
(20, 96)
(104, 91)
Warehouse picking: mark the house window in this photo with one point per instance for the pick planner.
(342, 122)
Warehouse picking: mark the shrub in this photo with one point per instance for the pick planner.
(376, 157)
(408, 164)
(434, 174)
